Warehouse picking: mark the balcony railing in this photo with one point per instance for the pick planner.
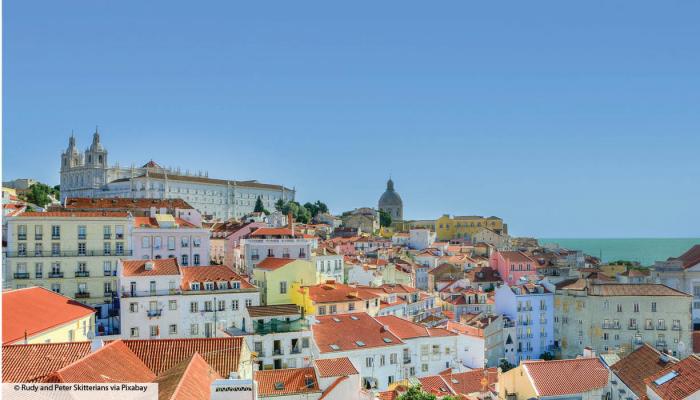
(82, 236)
(280, 326)
(147, 293)
(82, 295)
(72, 253)
(407, 360)
(22, 236)
(55, 274)
(38, 236)
(110, 293)
(295, 350)
(277, 352)
(254, 257)
(38, 275)
(82, 274)
(21, 275)
(154, 313)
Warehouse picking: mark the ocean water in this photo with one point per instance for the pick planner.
(645, 251)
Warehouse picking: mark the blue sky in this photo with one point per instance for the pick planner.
(567, 119)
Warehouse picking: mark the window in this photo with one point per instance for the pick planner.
(305, 343)
(154, 330)
(82, 249)
(283, 287)
(248, 302)
(22, 232)
(221, 305)
(196, 242)
(234, 305)
(208, 306)
(653, 307)
(82, 232)
(185, 242)
(119, 231)
(108, 288)
(38, 232)
(55, 249)
(194, 307)
(56, 287)
(393, 358)
(351, 306)
(369, 362)
(636, 307)
(171, 242)
(134, 332)
(119, 247)
(322, 310)
(676, 325)
(172, 329)
(209, 285)
(194, 329)
(157, 242)
(424, 367)
(172, 304)
(619, 308)
(39, 270)
(107, 248)
(21, 249)
(55, 232)
(145, 242)
(333, 309)
(107, 232)
(185, 260)
(195, 259)
(107, 267)
(382, 360)
(236, 285)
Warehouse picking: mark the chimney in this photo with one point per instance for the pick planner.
(149, 265)
(588, 352)
(96, 344)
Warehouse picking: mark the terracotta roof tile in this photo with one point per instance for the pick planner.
(640, 289)
(564, 377)
(273, 310)
(273, 263)
(685, 383)
(75, 214)
(33, 310)
(471, 381)
(212, 273)
(189, 380)
(332, 292)
(272, 232)
(286, 381)
(34, 362)
(223, 354)
(114, 362)
(120, 203)
(165, 266)
(405, 329)
(335, 367)
(639, 364)
(436, 385)
(690, 257)
(360, 331)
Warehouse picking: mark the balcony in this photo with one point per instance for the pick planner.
(147, 293)
(82, 295)
(38, 275)
(277, 352)
(154, 313)
(82, 274)
(107, 236)
(280, 326)
(661, 343)
(82, 236)
(56, 237)
(110, 293)
(295, 350)
(38, 236)
(21, 236)
(72, 253)
(407, 360)
(55, 275)
(21, 275)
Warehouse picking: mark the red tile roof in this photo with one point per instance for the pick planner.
(114, 362)
(516, 256)
(189, 380)
(696, 341)
(639, 364)
(286, 381)
(272, 232)
(119, 203)
(273, 263)
(223, 354)
(34, 362)
(409, 330)
(685, 383)
(165, 266)
(212, 273)
(565, 377)
(150, 222)
(332, 386)
(359, 331)
(690, 257)
(332, 292)
(471, 381)
(436, 385)
(34, 310)
(75, 214)
(335, 367)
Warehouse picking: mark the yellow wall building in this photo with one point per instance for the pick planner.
(72, 253)
(276, 276)
(463, 227)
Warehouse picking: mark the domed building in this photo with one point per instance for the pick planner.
(391, 202)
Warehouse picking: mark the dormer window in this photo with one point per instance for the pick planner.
(222, 285)
(236, 284)
(209, 285)
(194, 285)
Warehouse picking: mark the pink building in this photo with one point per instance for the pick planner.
(230, 233)
(513, 265)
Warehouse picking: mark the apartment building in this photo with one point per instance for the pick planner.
(531, 308)
(275, 242)
(616, 317)
(159, 299)
(72, 253)
(166, 236)
(330, 298)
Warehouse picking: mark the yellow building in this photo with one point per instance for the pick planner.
(276, 276)
(37, 315)
(464, 227)
(330, 298)
(73, 253)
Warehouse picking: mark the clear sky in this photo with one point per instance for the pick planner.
(567, 119)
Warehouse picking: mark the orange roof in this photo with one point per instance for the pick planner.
(191, 379)
(120, 203)
(685, 382)
(436, 385)
(165, 266)
(34, 310)
(278, 382)
(273, 263)
(639, 364)
(150, 222)
(335, 367)
(212, 273)
(409, 330)
(564, 377)
(359, 331)
(114, 362)
(516, 256)
(34, 362)
(471, 381)
(272, 232)
(75, 214)
(331, 292)
(223, 354)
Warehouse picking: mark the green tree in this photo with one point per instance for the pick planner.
(505, 365)
(321, 207)
(384, 218)
(259, 207)
(279, 205)
(39, 194)
(416, 393)
(313, 210)
(547, 356)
